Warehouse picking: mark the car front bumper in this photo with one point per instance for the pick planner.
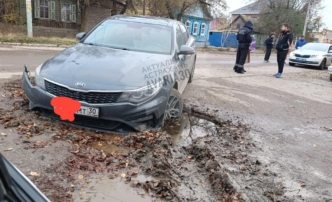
(306, 61)
(329, 69)
(116, 117)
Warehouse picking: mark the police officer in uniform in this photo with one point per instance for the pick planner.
(244, 38)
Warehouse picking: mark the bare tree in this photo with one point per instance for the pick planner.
(276, 12)
(175, 9)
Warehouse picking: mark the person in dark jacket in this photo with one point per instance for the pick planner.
(269, 45)
(285, 40)
(244, 39)
(301, 42)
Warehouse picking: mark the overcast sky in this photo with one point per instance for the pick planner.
(326, 12)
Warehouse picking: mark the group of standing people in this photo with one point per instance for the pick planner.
(284, 42)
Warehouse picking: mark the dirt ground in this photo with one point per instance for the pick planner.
(245, 137)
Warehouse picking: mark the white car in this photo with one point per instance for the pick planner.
(312, 54)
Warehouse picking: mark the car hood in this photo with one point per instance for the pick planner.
(309, 52)
(104, 68)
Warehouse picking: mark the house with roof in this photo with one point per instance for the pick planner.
(197, 20)
(242, 15)
(63, 18)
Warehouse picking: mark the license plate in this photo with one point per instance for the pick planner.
(301, 59)
(88, 111)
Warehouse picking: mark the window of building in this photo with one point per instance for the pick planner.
(44, 12)
(68, 12)
(44, 9)
(203, 26)
(195, 28)
(188, 23)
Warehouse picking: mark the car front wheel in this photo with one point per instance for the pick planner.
(322, 65)
(291, 64)
(192, 72)
(174, 105)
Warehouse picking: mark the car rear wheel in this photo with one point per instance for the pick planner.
(291, 64)
(174, 105)
(322, 65)
(192, 72)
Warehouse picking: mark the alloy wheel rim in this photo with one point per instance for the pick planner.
(172, 109)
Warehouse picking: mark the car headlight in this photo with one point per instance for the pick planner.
(39, 80)
(317, 56)
(142, 94)
(292, 54)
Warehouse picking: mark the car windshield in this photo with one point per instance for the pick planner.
(132, 36)
(315, 47)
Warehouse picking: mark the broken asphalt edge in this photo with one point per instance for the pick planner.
(34, 45)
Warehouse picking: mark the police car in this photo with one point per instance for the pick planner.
(312, 54)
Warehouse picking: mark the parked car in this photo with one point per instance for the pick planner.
(330, 72)
(312, 54)
(128, 73)
(15, 186)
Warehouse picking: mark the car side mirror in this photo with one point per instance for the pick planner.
(186, 50)
(80, 35)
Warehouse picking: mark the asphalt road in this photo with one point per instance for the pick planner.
(291, 117)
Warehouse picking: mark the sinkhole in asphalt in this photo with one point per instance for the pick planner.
(188, 128)
(182, 131)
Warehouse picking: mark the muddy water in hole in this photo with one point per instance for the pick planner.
(183, 131)
(113, 190)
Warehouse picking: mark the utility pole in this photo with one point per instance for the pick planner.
(306, 20)
(29, 18)
(143, 7)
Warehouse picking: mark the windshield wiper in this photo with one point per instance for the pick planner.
(92, 44)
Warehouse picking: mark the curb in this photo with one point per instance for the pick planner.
(34, 45)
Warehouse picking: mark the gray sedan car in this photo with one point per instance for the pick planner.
(128, 74)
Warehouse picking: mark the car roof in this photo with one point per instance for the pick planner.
(145, 19)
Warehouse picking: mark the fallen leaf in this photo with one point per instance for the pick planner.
(3, 134)
(9, 149)
(72, 185)
(123, 175)
(34, 174)
(314, 145)
(202, 181)
(126, 164)
(303, 185)
(80, 177)
(99, 144)
(189, 157)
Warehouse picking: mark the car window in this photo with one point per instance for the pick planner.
(184, 32)
(179, 37)
(132, 36)
(315, 47)
(330, 49)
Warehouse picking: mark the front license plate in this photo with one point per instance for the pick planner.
(301, 59)
(88, 111)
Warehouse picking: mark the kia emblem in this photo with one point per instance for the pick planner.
(80, 84)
